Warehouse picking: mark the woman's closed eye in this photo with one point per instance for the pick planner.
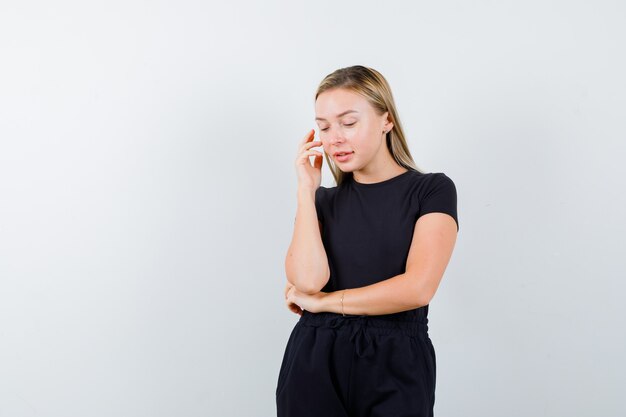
(351, 124)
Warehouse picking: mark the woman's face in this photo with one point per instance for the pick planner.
(348, 123)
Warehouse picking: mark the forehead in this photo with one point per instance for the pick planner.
(332, 103)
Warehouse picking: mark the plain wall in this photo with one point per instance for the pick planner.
(147, 197)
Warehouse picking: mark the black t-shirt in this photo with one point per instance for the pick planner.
(367, 228)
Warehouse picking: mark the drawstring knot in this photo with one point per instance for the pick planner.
(360, 337)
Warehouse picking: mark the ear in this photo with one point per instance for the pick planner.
(388, 125)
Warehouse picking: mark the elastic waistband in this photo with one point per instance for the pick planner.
(361, 326)
(382, 324)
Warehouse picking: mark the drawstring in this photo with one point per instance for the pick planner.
(360, 336)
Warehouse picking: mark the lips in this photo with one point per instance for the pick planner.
(343, 156)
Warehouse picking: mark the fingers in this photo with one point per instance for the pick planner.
(306, 154)
(305, 151)
(293, 307)
(288, 287)
(308, 146)
(317, 162)
(308, 142)
(307, 138)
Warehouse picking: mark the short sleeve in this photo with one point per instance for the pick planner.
(439, 196)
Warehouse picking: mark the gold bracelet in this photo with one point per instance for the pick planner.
(342, 294)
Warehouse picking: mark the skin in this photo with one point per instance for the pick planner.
(434, 235)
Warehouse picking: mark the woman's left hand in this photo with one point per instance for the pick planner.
(309, 302)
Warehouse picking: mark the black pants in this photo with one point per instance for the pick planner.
(358, 366)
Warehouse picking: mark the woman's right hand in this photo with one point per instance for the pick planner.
(294, 308)
(309, 176)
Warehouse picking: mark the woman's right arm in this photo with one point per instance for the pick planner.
(306, 264)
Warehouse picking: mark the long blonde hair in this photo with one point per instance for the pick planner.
(374, 87)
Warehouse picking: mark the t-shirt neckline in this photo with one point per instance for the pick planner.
(380, 183)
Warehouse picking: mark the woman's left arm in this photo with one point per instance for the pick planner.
(431, 248)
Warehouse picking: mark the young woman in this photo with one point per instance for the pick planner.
(365, 260)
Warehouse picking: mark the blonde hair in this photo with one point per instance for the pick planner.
(370, 84)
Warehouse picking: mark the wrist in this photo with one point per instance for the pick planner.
(306, 192)
(332, 302)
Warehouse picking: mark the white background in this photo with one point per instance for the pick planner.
(147, 197)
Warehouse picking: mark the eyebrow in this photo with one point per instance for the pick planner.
(339, 115)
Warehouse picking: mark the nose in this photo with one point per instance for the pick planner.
(335, 136)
